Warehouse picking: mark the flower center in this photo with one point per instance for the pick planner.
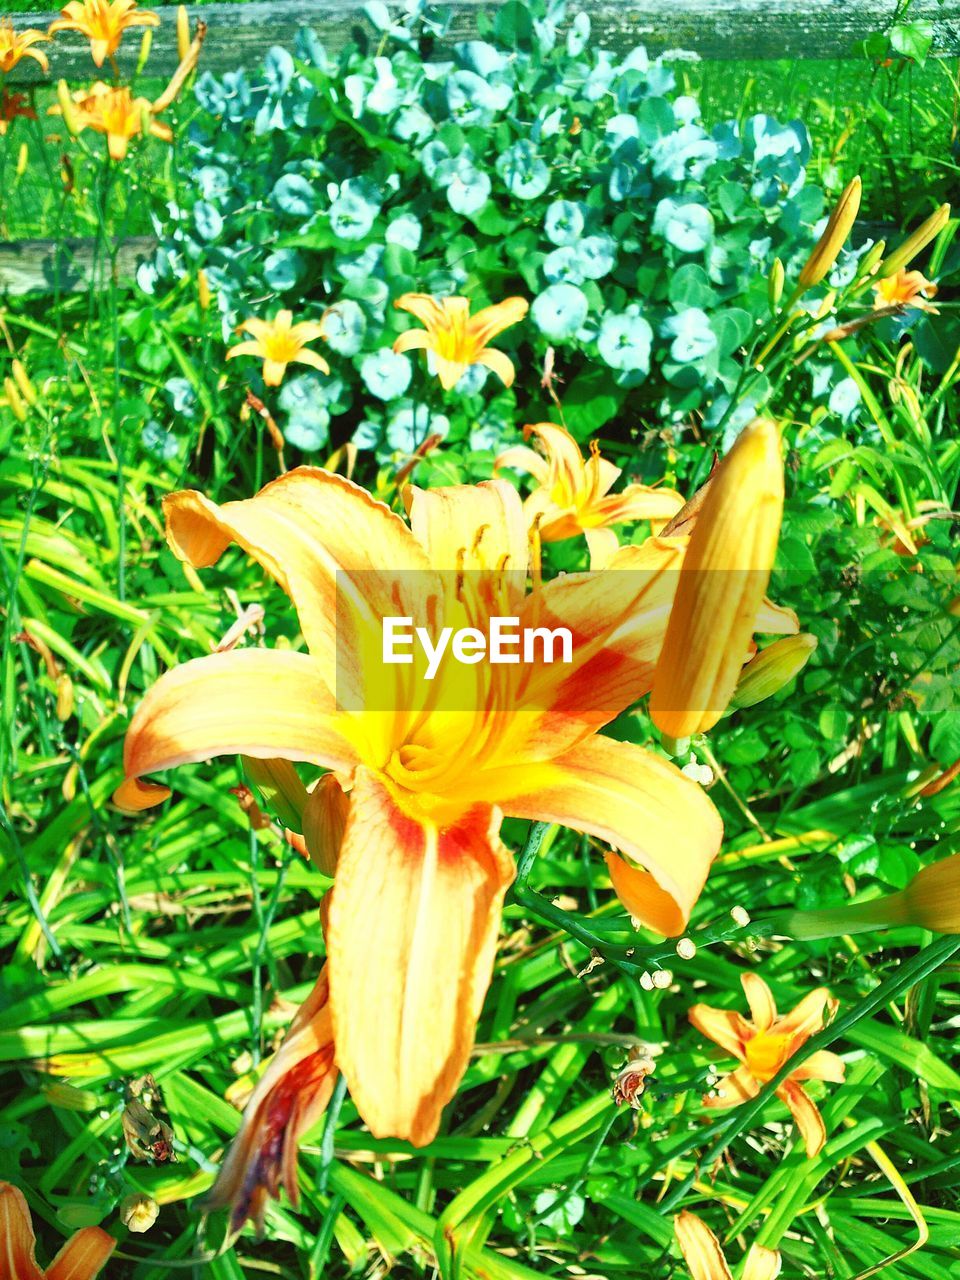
(766, 1053)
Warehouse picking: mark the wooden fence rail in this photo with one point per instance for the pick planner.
(240, 34)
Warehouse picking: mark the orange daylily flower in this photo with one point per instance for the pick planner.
(573, 494)
(704, 1257)
(418, 784)
(116, 113)
(11, 106)
(81, 1258)
(428, 786)
(766, 1043)
(457, 339)
(103, 22)
(905, 289)
(280, 342)
(290, 1097)
(15, 45)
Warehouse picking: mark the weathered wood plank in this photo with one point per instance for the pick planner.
(38, 266)
(239, 34)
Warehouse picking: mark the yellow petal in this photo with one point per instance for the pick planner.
(312, 531)
(700, 1248)
(83, 1256)
(254, 702)
(289, 1099)
(567, 467)
(640, 804)
(763, 1010)
(602, 545)
(425, 307)
(806, 1117)
(312, 359)
(762, 1264)
(722, 585)
(501, 364)
(490, 321)
(133, 795)
(724, 1027)
(637, 502)
(519, 458)
(413, 340)
(16, 1236)
(411, 947)
(273, 371)
(471, 527)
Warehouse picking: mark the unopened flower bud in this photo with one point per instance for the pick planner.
(279, 784)
(138, 1212)
(871, 260)
(183, 32)
(775, 284)
(772, 669)
(15, 400)
(827, 248)
(26, 387)
(64, 697)
(203, 290)
(914, 244)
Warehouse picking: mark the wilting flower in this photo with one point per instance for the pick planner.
(457, 339)
(289, 1098)
(422, 772)
(764, 1045)
(930, 901)
(114, 111)
(11, 106)
(573, 494)
(725, 574)
(103, 22)
(905, 289)
(81, 1258)
(280, 342)
(704, 1257)
(15, 45)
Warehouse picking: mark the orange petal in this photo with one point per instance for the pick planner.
(255, 702)
(413, 340)
(806, 1117)
(763, 1009)
(500, 364)
(776, 620)
(17, 1240)
(289, 1099)
(700, 1248)
(822, 1065)
(472, 527)
(311, 358)
(410, 955)
(83, 1256)
(324, 822)
(306, 528)
(724, 1027)
(733, 1090)
(637, 502)
(133, 796)
(808, 1017)
(762, 1264)
(567, 466)
(641, 805)
(722, 584)
(426, 308)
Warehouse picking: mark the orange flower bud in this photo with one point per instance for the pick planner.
(835, 233)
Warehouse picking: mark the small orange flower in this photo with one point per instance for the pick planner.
(280, 342)
(766, 1044)
(81, 1258)
(704, 1257)
(456, 338)
(905, 289)
(103, 22)
(11, 106)
(117, 114)
(573, 494)
(15, 45)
